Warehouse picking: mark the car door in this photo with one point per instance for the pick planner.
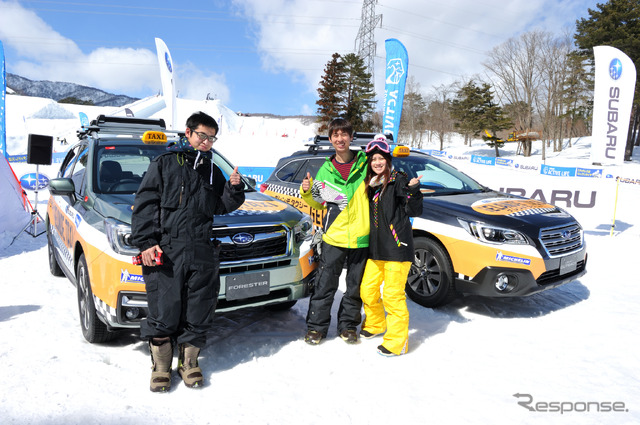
(63, 215)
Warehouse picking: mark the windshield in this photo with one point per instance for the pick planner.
(437, 177)
(120, 168)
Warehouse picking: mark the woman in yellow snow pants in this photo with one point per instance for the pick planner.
(396, 324)
(393, 198)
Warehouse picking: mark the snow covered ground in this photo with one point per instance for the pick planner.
(565, 356)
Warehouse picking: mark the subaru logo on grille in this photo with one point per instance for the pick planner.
(242, 238)
(566, 234)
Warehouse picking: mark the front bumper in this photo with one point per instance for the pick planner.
(288, 284)
(520, 282)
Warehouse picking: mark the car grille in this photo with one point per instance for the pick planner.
(268, 242)
(553, 276)
(562, 240)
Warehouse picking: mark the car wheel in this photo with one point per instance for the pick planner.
(93, 329)
(281, 306)
(54, 267)
(430, 282)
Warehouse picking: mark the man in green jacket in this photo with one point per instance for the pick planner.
(340, 190)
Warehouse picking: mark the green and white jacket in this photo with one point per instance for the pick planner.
(346, 222)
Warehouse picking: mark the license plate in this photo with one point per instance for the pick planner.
(247, 285)
(568, 264)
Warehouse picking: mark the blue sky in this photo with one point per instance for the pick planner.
(258, 55)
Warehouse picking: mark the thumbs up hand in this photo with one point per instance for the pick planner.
(234, 178)
(306, 182)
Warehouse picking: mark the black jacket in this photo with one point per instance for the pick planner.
(391, 236)
(176, 201)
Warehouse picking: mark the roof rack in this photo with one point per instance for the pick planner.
(359, 139)
(122, 125)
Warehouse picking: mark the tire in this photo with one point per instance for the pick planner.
(430, 282)
(93, 329)
(54, 267)
(281, 306)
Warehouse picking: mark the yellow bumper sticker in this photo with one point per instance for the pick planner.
(502, 206)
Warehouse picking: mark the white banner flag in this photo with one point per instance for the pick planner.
(168, 82)
(615, 82)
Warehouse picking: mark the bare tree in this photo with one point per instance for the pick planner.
(414, 110)
(439, 119)
(553, 67)
(516, 78)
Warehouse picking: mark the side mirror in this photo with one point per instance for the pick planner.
(62, 187)
(251, 180)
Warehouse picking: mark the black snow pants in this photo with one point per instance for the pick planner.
(183, 292)
(326, 284)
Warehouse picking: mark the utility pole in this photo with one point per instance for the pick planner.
(365, 44)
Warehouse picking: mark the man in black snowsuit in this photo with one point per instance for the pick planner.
(172, 217)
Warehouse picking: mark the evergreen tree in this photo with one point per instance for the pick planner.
(346, 90)
(359, 94)
(475, 111)
(466, 110)
(615, 23)
(331, 91)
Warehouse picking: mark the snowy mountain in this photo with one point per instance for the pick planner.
(57, 90)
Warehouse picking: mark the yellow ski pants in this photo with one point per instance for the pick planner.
(393, 301)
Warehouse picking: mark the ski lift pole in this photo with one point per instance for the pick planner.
(615, 206)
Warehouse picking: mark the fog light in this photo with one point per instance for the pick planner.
(132, 313)
(505, 283)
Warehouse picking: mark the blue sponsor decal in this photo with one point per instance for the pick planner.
(548, 170)
(33, 181)
(126, 277)
(504, 162)
(77, 220)
(511, 259)
(615, 69)
(56, 158)
(168, 61)
(439, 154)
(484, 160)
(588, 172)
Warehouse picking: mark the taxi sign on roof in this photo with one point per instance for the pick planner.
(154, 138)
(401, 151)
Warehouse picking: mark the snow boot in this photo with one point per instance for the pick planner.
(161, 357)
(188, 368)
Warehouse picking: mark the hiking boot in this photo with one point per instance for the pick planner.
(384, 352)
(161, 356)
(188, 368)
(368, 335)
(313, 337)
(350, 336)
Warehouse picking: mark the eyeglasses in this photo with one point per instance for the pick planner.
(378, 144)
(204, 136)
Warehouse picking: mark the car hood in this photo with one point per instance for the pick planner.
(497, 209)
(258, 208)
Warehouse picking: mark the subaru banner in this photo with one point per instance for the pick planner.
(615, 82)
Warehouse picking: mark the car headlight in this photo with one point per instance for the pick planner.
(493, 234)
(304, 229)
(119, 235)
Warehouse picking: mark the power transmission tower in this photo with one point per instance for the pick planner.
(365, 44)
